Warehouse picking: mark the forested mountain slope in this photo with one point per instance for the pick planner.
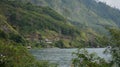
(39, 25)
(13, 52)
(35, 23)
(85, 13)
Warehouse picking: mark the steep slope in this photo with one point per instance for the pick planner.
(8, 33)
(44, 27)
(12, 51)
(85, 13)
(36, 23)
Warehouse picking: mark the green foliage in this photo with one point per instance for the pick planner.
(53, 14)
(84, 59)
(12, 37)
(115, 50)
(16, 38)
(3, 35)
(59, 44)
(15, 55)
(115, 36)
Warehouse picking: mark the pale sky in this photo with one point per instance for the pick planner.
(113, 3)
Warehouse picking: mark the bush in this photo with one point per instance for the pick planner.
(3, 35)
(59, 44)
(12, 55)
(84, 59)
(16, 38)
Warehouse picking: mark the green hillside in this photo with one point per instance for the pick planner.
(74, 24)
(40, 26)
(36, 23)
(18, 22)
(85, 13)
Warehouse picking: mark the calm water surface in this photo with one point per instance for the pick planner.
(63, 57)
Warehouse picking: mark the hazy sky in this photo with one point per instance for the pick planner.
(113, 3)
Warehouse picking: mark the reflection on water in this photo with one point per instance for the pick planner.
(63, 57)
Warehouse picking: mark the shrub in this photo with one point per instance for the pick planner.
(12, 55)
(3, 35)
(84, 59)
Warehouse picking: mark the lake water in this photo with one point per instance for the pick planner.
(63, 57)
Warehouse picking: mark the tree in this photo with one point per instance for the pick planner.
(84, 59)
